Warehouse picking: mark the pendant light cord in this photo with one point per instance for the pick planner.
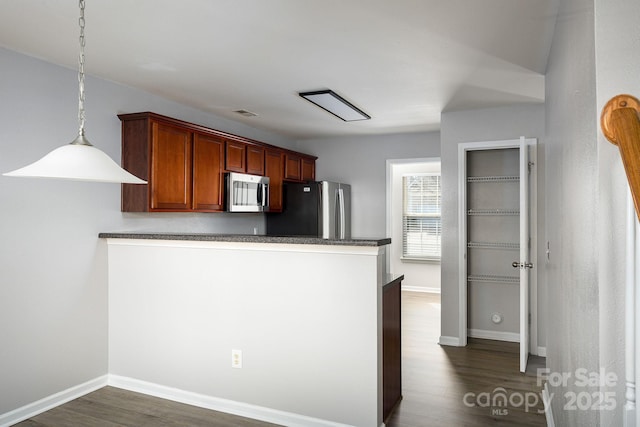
(81, 116)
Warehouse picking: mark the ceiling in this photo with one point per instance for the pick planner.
(403, 61)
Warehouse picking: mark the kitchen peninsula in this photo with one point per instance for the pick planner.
(305, 315)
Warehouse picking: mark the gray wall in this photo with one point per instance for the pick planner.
(617, 71)
(489, 124)
(594, 57)
(571, 209)
(53, 294)
(361, 162)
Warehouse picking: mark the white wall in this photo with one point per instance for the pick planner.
(53, 291)
(418, 276)
(361, 162)
(472, 126)
(307, 318)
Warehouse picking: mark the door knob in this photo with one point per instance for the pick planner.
(516, 264)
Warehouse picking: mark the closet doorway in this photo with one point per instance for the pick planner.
(497, 222)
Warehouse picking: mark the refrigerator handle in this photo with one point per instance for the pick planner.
(341, 223)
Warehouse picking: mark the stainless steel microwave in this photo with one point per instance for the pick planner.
(247, 193)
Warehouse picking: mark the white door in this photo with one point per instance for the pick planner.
(524, 263)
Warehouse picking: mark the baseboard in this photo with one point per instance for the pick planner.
(494, 335)
(421, 289)
(542, 351)
(49, 402)
(450, 341)
(548, 410)
(217, 404)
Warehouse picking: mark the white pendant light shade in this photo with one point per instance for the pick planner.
(79, 162)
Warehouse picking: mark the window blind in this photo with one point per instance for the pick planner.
(421, 218)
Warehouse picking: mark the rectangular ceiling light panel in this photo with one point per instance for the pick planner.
(335, 104)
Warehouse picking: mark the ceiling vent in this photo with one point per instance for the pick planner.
(246, 113)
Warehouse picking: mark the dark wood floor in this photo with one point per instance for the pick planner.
(435, 381)
(114, 407)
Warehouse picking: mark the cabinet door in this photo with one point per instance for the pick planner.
(274, 170)
(208, 155)
(308, 170)
(170, 168)
(255, 160)
(292, 167)
(235, 157)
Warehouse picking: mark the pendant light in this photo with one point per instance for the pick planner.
(78, 160)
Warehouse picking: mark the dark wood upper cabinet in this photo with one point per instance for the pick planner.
(235, 157)
(308, 169)
(255, 160)
(299, 168)
(184, 164)
(274, 167)
(171, 151)
(208, 179)
(292, 167)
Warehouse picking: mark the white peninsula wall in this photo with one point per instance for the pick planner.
(306, 317)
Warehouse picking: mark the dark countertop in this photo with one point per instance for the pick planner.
(248, 238)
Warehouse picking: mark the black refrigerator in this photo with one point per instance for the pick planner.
(319, 209)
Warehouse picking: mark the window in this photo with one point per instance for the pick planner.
(421, 221)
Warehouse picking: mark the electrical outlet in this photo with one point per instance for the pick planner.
(236, 358)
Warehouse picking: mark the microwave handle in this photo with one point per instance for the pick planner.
(265, 195)
(259, 194)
